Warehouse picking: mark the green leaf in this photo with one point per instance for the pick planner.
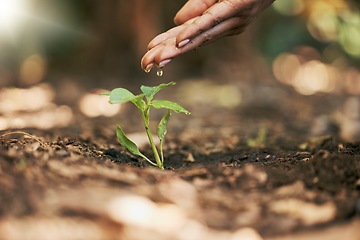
(260, 140)
(127, 143)
(161, 129)
(169, 105)
(151, 91)
(130, 145)
(121, 95)
(161, 132)
(139, 102)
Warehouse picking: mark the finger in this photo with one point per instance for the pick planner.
(173, 32)
(212, 17)
(165, 36)
(191, 9)
(165, 40)
(167, 50)
(230, 27)
(159, 55)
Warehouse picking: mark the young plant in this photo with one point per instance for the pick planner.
(144, 102)
(260, 140)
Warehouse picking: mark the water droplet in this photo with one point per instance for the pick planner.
(147, 70)
(159, 72)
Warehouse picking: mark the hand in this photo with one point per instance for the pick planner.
(201, 22)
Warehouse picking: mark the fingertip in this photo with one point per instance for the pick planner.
(144, 65)
(182, 43)
(187, 33)
(149, 67)
(178, 19)
(152, 44)
(164, 62)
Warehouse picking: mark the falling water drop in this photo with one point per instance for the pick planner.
(159, 72)
(147, 70)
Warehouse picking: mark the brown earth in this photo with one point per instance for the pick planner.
(251, 173)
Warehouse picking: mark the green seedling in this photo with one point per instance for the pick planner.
(260, 140)
(144, 102)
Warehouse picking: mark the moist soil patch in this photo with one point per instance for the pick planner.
(59, 187)
(251, 173)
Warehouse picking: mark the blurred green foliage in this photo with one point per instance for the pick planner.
(317, 23)
(109, 37)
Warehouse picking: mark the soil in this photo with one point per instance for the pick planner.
(77, 182)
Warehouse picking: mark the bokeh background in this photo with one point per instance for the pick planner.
(56, 56)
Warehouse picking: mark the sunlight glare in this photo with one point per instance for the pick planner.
(285, 66)
(95, 105)
(32, 108)
(140, 211)
(25, 99)
(306, 74)
(313, 77)
(352, 81)
(11, 13)
(220, 95)
(32, 70)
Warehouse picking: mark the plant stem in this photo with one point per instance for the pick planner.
(145, 116)
(143, 156)
(161, 152)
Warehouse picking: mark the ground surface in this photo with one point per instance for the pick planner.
(250, 173)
